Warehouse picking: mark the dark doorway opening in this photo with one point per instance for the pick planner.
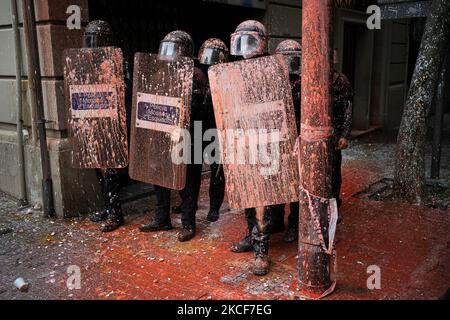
(357, 61)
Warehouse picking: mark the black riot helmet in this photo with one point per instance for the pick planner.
(176, 44)
(213, 51)
(292, 50)
(250, 40)
(98, 34)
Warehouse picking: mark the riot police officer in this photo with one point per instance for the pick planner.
(179, 44)
(249, 41)
(213, 51)
(291, 50)
(99, 34)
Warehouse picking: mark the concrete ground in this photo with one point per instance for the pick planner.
(410, 245)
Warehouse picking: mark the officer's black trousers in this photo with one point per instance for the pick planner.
(162, 216)
(216, 187)
(189, 195)
(110, 184)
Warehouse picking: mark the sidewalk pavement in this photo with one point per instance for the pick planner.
(410, 245)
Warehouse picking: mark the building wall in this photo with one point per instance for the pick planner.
(53, 37)
(283, 21)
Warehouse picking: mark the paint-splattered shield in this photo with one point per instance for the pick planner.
(162, 94)
(95, 95)
(254, 111)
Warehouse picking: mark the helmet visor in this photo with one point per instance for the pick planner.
(246, 44)
(97, 40)
(169, 50)
(211, 56)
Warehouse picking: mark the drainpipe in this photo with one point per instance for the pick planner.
(20, 152)
(315, 156)
(35, 87)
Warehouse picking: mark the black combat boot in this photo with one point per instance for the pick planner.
(245, 245)
(261, 265)
(161, 222)
(114, 209)
(99, 216)
(213, 215)
(186, 234)
(114, 221)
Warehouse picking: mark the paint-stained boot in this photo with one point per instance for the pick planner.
(99, 216)
(261, 264)
(113, 222)
(245, 245)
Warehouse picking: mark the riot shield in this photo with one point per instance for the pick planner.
(162, 94)
(95, 94)
(254, 113)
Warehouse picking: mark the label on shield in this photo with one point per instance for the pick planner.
(158, 113)
(93, 101)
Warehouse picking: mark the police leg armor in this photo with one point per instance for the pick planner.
(216, 192)
(260, 239)
(246, 245)
(111, 180)
(161, 221)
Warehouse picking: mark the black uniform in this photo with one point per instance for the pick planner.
(189, 195)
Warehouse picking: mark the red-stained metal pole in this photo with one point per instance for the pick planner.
(315, 157)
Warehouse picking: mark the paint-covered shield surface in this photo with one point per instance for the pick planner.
(162, 94)
(95, 96)
(254, 112)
